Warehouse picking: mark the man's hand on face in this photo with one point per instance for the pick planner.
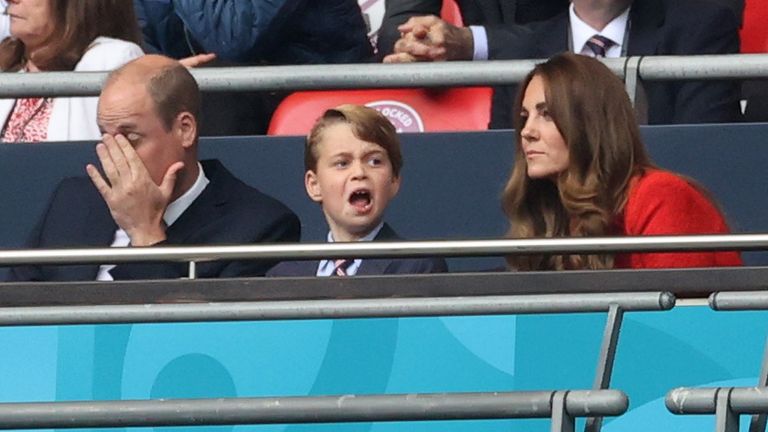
(428, 38)
(137, 204)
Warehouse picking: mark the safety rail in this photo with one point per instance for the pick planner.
(446, 248)
(728, 403)
(349, 76)
(327, 309)
(561, 406)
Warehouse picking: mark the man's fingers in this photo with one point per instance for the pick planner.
(425, 21)
(169, 179)
(107, 164)
(98, 181)
(198, 60)
(400, 58)
(133, 162)
(119, 162)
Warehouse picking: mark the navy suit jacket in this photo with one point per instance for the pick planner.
(656, 27)
(227, 212)
(368, 267)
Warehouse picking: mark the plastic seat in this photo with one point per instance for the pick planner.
(410, 110)
(754, 31)
(451, 13)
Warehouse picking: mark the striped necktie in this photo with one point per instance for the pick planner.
(341, 266)
(599, 45)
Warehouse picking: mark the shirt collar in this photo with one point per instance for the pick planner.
(581, 31)
(182, 203)
(368, 237)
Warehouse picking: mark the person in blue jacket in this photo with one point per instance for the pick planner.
(252, 32)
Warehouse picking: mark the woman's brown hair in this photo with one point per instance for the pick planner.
(592, 112)
(76, 24)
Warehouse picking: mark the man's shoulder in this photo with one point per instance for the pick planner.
(240, 194)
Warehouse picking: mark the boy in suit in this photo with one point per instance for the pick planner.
(352, 160)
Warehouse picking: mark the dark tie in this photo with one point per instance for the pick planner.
(341, 266)
(599, 45)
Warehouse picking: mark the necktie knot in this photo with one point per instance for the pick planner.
(340, 266)
(599, 45)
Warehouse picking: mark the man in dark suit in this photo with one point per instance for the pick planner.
(650, 27)
(153, 190)
(473, 13)
(367, 267)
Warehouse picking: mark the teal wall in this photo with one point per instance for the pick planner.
(687, 346)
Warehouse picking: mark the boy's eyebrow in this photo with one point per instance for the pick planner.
(541, 106)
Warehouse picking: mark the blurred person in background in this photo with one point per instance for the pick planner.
(477, 13)
(63, 35)
(600, 28)
(252, 32)
(581, 170)
(5, 21)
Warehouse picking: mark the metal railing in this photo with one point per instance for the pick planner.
(728, 403)
(446, 248)
(560, 406)
(350, 76)
(342, 308)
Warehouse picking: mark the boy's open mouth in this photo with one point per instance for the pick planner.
(360, 200)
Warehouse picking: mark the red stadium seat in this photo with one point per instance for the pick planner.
(410, 110)
(451, 13)
(754, 31)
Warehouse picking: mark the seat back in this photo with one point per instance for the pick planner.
(754, 31)
(451, 13)
(410, 110)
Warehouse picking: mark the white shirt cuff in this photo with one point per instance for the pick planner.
(480, 41)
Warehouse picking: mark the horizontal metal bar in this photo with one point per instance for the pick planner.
(749, 300)
(325, 409)
(448, 248)
(372, 75)
(733, 66)
(743, 400)
(324, 309)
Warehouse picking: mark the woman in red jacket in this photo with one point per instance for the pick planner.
(581, 170)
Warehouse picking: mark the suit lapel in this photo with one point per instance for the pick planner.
(370, 267)
(207, 208)
(645, 20)
(553, 36)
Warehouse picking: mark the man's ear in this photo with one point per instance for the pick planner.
(186, 127)
(313, 187)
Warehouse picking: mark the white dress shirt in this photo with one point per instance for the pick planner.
(172, 213)
(581, 32)
(327, 266)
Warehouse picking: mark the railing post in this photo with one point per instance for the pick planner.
(725, 419)
(192, 270)
(758, 421)
(606, 359)
(562, 421)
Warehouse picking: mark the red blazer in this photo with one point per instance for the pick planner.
(662, 203)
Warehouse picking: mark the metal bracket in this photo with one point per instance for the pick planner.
(725, 419)
(606, 359)
(634, 86)
(758, 421)
(561, 420)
